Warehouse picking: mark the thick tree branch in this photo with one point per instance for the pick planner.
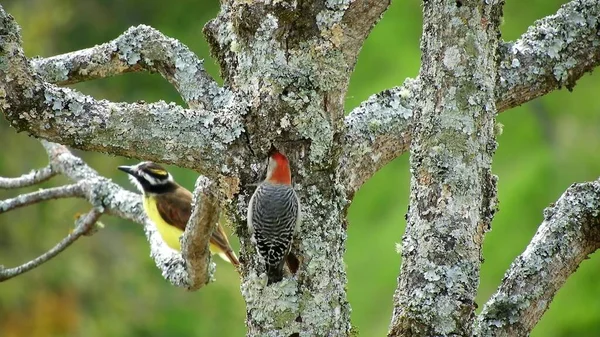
(195, 241)
(68, 191)
(32, 178)
(82, 226)
(378, 131)
(139, 48)
(359, 18)
(116, 201)
(65, 116)
(555, 51)
(141, 130)
(569, 233)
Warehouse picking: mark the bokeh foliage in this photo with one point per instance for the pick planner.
(106, 285)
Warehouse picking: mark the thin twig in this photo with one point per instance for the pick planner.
(68, 191)
(83, 225)
(29, 179)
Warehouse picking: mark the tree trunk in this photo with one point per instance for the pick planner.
(290, 64)
(453, 192)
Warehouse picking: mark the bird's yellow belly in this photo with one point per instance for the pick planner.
(170, 234)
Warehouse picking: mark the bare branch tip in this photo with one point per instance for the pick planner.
(83, 226)
(68, 191)
(32, 178)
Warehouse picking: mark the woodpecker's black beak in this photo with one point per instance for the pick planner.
(126, 169)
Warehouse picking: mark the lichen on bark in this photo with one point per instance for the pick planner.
(452, 192)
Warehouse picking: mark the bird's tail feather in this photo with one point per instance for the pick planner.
(292, 262)
(275, 272)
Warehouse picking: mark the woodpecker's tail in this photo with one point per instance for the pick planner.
(292, 262)
(275, 272)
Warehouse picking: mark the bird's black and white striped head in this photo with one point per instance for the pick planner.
(149, 177)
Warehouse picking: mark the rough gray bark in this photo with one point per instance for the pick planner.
(453, 192)
(286, 66)
(291, 62)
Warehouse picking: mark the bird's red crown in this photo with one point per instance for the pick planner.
(281, 171)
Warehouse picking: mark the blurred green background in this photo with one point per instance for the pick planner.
(107, 285)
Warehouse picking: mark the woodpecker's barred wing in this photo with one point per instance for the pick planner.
(273, 216)
(175, 208)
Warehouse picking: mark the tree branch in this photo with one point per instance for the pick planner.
(359, 19)
(69, 191)
(65, 116)
(195, 241)
(32, 178)
(192, 271)
(142, 130)
(569, 233)
(139, 48)
(378, 131)
(555, 51)
(83, 226)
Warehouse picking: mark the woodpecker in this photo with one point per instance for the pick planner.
(274, 216)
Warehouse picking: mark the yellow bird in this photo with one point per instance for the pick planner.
(169, 206)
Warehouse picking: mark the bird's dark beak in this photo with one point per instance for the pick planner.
(126, 169)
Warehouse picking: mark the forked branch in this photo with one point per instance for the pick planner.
(191, 271)
(556, 51)
(180, 272)
(68, 191)
(139, 48)
(207, 136)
